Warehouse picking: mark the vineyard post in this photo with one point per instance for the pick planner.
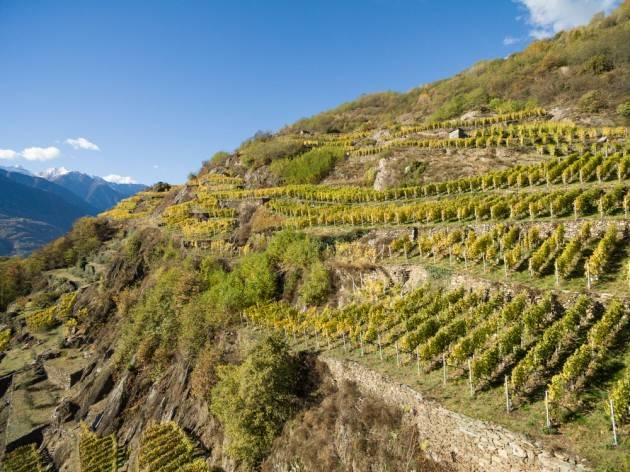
(547, 420)
(418, 360)
(557, 273)
(344, 341)
(443, 369)
(361, 340)
(380, 346)
(470, 380)
(397, 355)
(588, 276)
(317, 338)
(614, 424)
(507, 395)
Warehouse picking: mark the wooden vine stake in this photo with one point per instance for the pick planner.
(418, 359)
(361, 340)
(443, 368)
(380, 347)
(344, 341)
(547, 419)
(507, 395)
(588, 276)
(557, 273)
(470, 380)
(614, 424)
(397, 355)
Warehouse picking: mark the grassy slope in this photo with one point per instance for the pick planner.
(553, 72)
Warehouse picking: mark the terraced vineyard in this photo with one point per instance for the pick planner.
(23, 459)
(166, 448)
(536, 342)
(99, 454)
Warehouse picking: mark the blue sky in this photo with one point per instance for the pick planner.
(149, 89)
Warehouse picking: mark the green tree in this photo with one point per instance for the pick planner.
(254, 400)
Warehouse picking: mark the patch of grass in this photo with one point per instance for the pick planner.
(308, 168)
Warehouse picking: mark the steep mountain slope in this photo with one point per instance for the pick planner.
(351, 293)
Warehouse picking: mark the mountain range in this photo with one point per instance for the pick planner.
(35, 209)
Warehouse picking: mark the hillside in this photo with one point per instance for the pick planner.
(584, 70)
(437, 281)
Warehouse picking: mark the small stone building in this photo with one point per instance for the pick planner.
(457, 133)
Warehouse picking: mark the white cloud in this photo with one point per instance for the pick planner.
(119, 179)
(8, 154)
(40, 154)
(509, 40)
(548, 17)
(82, 143)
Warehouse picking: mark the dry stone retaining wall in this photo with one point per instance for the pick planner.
(464, 443)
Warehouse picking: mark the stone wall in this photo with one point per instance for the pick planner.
(464, 443)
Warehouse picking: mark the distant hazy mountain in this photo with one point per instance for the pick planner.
(35, 209)
(98, 192)
(16, 168)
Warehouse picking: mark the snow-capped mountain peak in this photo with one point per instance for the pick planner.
(53, 172)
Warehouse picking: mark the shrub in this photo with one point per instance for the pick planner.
(264, 150)
(254, 400)
(203, 376)
(461, 103)
(219, 158)
(592, 102)
(263, 220)
(251, 281)
(599, 64)
(308, 168)
(154, 324)
(316, 285)
(509, 106)
(624, 109)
